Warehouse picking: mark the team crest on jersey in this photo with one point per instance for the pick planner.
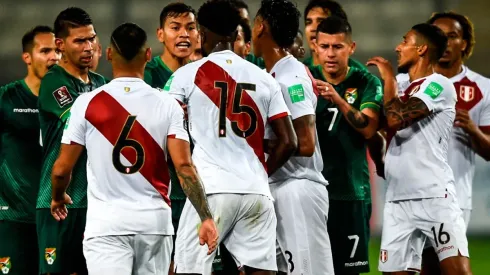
(62, 96)
(383, 256)
(50, 255)
(466, 93)
(5, 265)
(350, 95)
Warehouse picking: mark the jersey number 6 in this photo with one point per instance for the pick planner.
(237, 110)
(123, 142)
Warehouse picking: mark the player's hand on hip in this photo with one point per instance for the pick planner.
(464, 121)
(327, 91)
(208, 234)
(58, 208)
(384, 67)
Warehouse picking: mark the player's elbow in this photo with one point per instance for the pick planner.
(60, 170)
(290, 144)
(305, 149)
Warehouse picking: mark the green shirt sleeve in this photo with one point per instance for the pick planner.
(372, 96)
(54, 96)
(148, 77)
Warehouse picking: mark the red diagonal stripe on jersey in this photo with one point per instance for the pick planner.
(109, 116)
(206, 76)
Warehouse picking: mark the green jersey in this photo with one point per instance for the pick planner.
(343, 148)
(352, 63)
(156, 75)
(58, 91)
(255, 60)
(20, 153)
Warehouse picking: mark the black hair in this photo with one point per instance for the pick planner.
(466, 25)
(282, 17)
(436, 39)
(219, 16)
(70, 18)
(247, 31)
(334, 25)
(28, 38)
(174, 10)
(128, 39)
(239, 4)
(333, 8)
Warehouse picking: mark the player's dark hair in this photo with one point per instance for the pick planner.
(435, 38)
(335, 25)
(247, 31)
(331, 7)
(282, 16)
(219, 16)
(70, 18)
(128, 39)
(466, 25)
(174, 10)
(28, 38)
(239, 4)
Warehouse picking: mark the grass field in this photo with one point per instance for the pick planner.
(479, 253)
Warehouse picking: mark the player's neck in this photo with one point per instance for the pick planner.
(272, 55)
(420, 70)
(33, 82)
(337, 78)
(171, 61)
(73, 70)
(450, 71)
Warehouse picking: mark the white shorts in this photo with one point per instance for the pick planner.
(408, 224)
(466, 217)
(302, 235)
(247, 227)
(128, 254)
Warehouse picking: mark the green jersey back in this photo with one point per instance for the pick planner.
(343, 148)
(58, 91)
(20, 153)
(156, 75)
(352, 63)
(255, 60)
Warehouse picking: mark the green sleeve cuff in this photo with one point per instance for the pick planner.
(370, 105)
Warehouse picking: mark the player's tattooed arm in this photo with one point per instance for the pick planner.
(305, 131)
(400, 115)
(190, 181)
(286, 143)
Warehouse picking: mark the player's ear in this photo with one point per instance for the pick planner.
(248, 48)
(301, 52)
(27, 58)
(352, 48)
(463, 47)
(161, 35)
(60, 44)
(108, 53)
(148, 54)
(422, 49)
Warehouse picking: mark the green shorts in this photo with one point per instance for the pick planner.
(223, 263)
(18, 248)
(348, 229)
(177, 207)
(60, 243)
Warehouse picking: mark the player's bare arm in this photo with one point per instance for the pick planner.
(377, 150)
(365, 121)
(286, 143)
(60, 179)
(305, 131)
(480, 136)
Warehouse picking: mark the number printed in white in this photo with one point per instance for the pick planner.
(356, 242)
(335, 113)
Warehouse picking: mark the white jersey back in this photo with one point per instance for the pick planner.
(300, 95)
(125, 125)
(230, 102)
(416, 164)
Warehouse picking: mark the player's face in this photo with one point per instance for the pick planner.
(79, 46)
(178, 33)
(334, 51)
(197, 53)
(314, 17)
(240, 47)
(97, 56)
(297, 49)
(44, 54)
(455, 43)
(257, 33)
(407, 52)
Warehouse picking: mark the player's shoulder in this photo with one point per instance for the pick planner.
(9, 88)
(152, 64)
(482, 82)
(55, 74)
(443, 81)
(98, 79)
(364, 78)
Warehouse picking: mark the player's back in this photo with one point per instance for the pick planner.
(416, 162)
(127, 124)
(229, 102)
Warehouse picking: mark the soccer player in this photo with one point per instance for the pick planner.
(302, 232)
(129, 220)
(315, 12)
(297, 49)
(243, 39)
(21, 155)
(347, 115)
(97, 55)
(60, 243)
(197, 53)
(230, 103)
(420, 201)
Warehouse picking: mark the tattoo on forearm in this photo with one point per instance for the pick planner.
(357, 118)
(405, 114)
(193, 188)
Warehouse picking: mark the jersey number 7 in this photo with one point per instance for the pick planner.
(237, 110)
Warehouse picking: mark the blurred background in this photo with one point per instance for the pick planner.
(378, 26)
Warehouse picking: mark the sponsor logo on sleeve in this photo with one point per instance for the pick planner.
(433, 90)
(62, 96)
(67, 120)
(297, 93)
